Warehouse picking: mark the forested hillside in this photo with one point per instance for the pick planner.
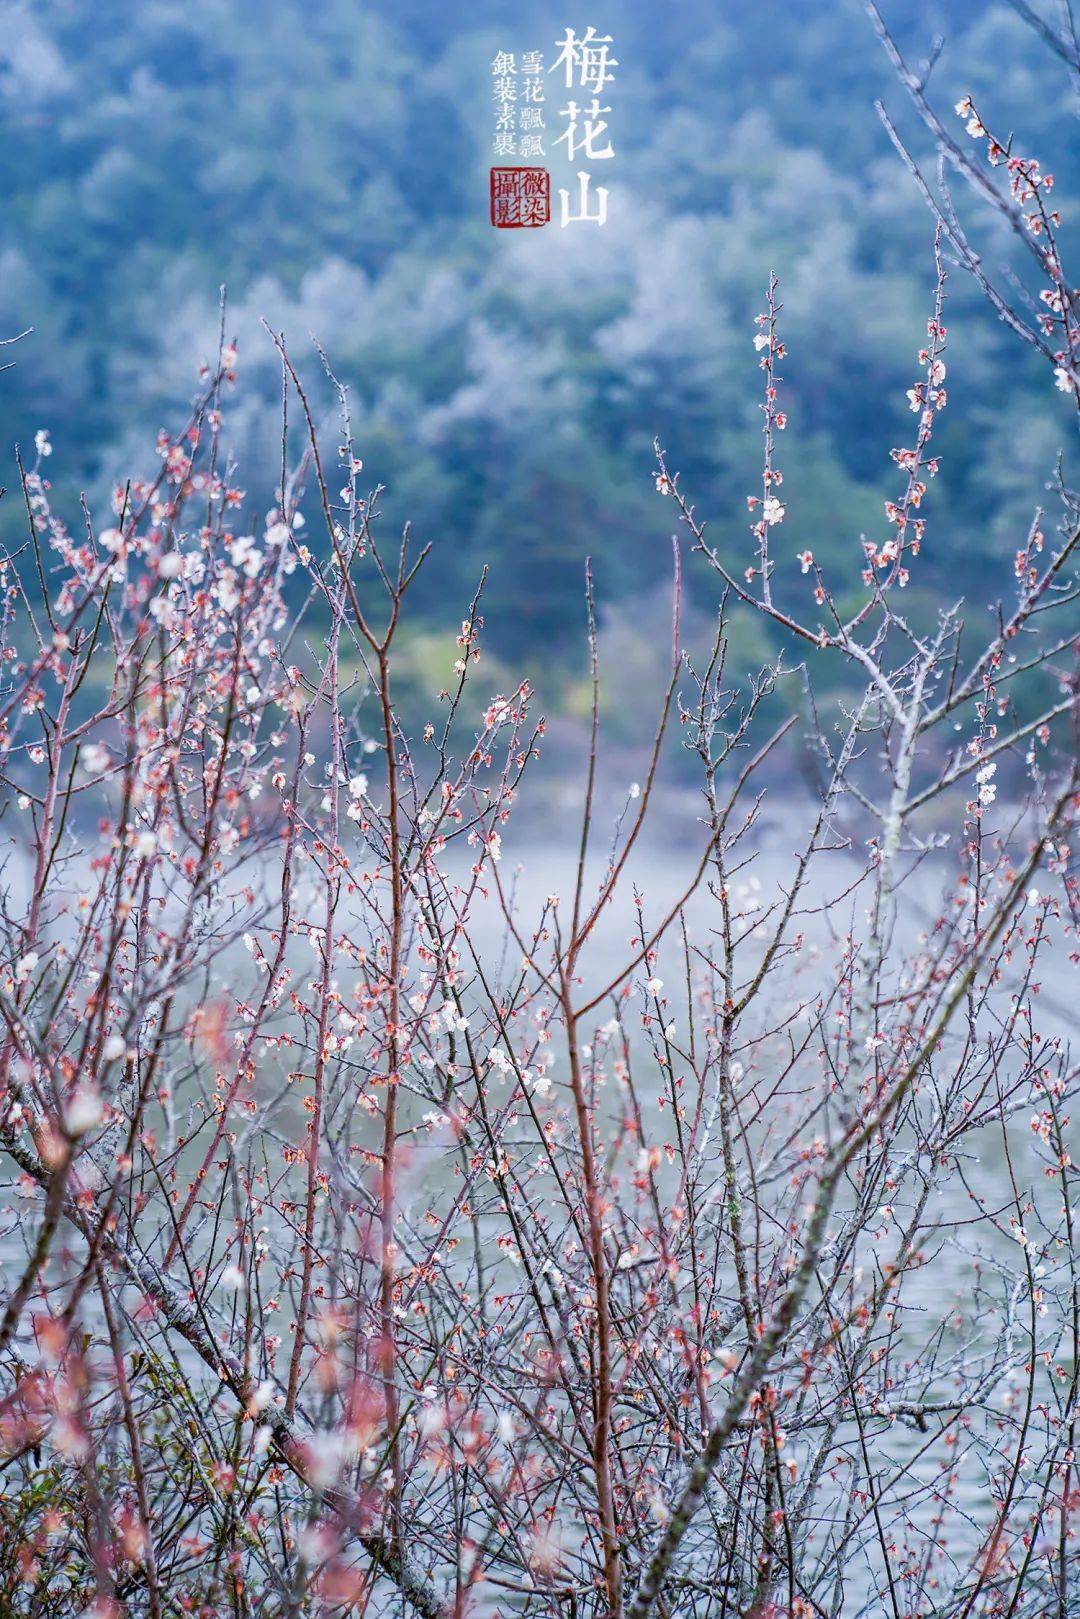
(329, 165)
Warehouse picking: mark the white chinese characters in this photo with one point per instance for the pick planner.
(585, 64)
(588, 65)
(518, 93)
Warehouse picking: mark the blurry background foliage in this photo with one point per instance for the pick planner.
(329, 163)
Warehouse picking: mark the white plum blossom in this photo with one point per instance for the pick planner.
(25, 966)
(84, 1111)
(94, 759)
(505, 1427)
(243, 554)
(325, 1455)
(985, 780)
(453, 1022)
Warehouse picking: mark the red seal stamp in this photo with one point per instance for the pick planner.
(520, 198)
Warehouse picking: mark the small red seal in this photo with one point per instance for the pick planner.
(520, 197)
